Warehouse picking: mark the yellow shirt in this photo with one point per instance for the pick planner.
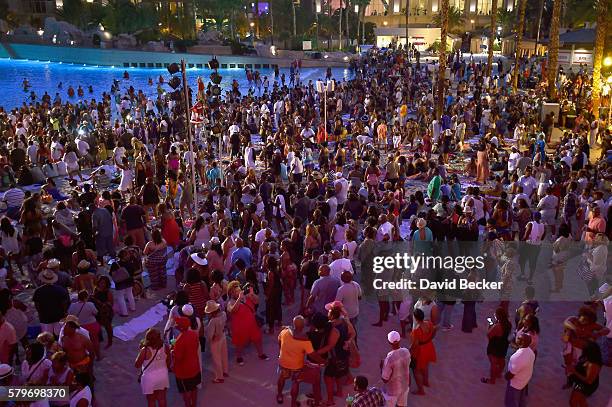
(292, 351)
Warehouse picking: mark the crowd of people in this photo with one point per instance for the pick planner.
(285, 216)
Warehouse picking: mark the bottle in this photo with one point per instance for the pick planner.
(349, 401)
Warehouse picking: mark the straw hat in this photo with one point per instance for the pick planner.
(53, 263)
(47, 276)
(211, 306)
(84, 264)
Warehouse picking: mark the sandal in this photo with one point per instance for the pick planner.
(217, 381)
(280, 399)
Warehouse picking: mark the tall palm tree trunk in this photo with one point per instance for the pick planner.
(271, 22)
(358, 26)
(553, 49)
(346, 19)
(600, 39)
(442, 58)
(340, 28)
(492, 37)
(293, 10)
(519, 38)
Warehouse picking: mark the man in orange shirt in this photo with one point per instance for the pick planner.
(186, 355)
(294, 347)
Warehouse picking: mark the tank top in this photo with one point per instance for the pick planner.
(537, 231)
(84, 393)
(426, 308)
(158, 364)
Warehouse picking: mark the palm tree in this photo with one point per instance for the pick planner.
(603, 18)
(442, 58)
(340, 27)
(519, 37)
(553, 49)
(455, 18)
(492, 37)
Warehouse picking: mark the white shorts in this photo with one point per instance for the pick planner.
(400, 400)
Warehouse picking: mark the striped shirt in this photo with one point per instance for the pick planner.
(14, 197)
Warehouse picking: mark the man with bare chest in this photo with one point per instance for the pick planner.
(78, 348)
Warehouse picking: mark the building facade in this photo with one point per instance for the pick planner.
(389, 16)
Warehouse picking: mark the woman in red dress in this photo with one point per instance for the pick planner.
(422, 350)
(243, 326)
(169, 227)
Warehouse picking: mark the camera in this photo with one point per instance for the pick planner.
(247, 286)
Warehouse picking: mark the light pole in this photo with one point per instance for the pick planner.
(189, 136)
(324, 87)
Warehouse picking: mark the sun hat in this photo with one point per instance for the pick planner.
(5, 371)
(84, 264)
(47, 276)
(199, 260)
(53, 263)
(393, 337)
(187, 310)
(211, 306)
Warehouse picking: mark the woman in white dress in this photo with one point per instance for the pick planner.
(127, 175)
(153, 361)
(35, 370)
(72, 164)
(81, 396)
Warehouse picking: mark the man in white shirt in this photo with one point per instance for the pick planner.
(32, 152)
(385, 230)
(528, 182)
(339, 265)
(307, 133)
(349, 293)
(396, 372)
(341, 186)
(520, 370)
(513, 159)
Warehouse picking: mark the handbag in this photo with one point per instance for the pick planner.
(147, 365)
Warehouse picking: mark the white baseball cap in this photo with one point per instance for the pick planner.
(393, 337)
(187, 310)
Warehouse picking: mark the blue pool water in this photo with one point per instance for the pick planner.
(45, 76)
